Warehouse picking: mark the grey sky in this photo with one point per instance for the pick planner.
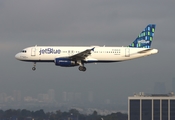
(86, 22)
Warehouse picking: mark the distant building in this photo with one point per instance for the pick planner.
(43, 98)
(3, 97)
(151, 107)
(159, 88)
(17, 95)
(64, 96)
(51, 94)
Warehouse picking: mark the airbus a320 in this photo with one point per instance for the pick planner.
(70, 56)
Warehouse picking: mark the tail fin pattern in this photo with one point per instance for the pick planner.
(145, 38)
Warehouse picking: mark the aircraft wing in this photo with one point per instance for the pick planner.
(81, 55)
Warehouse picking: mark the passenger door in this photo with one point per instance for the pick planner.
(127, 52)
(33, 52)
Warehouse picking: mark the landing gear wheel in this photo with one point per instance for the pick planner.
(82, 68)
(34, 68)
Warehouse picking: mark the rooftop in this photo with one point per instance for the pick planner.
(142, 94)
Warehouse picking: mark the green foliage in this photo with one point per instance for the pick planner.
(73, 114)
(116, 116)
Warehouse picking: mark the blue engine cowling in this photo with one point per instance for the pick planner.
(65, 62)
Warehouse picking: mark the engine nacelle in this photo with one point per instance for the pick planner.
(65, 62)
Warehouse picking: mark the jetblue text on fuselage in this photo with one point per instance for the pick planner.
(49, 51)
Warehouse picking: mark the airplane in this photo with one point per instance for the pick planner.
(70, 56)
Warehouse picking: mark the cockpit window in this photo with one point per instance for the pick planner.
(23, 51)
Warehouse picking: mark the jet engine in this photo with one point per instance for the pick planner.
(65, 62)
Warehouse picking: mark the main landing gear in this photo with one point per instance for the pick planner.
(81, 67)
(34, 66)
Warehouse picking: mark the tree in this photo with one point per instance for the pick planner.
(39, 114)
(74, 112)
(95, 113)
(26, 113)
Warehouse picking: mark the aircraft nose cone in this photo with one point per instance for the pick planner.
(17, 56)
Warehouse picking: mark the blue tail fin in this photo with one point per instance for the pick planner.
(145, 38)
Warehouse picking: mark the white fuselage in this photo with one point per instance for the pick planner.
(69, 56)
(98, 54)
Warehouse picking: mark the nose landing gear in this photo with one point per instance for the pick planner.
(34, 66)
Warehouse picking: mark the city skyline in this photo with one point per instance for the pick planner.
(68, 98)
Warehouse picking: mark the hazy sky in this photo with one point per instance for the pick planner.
(86, 22)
